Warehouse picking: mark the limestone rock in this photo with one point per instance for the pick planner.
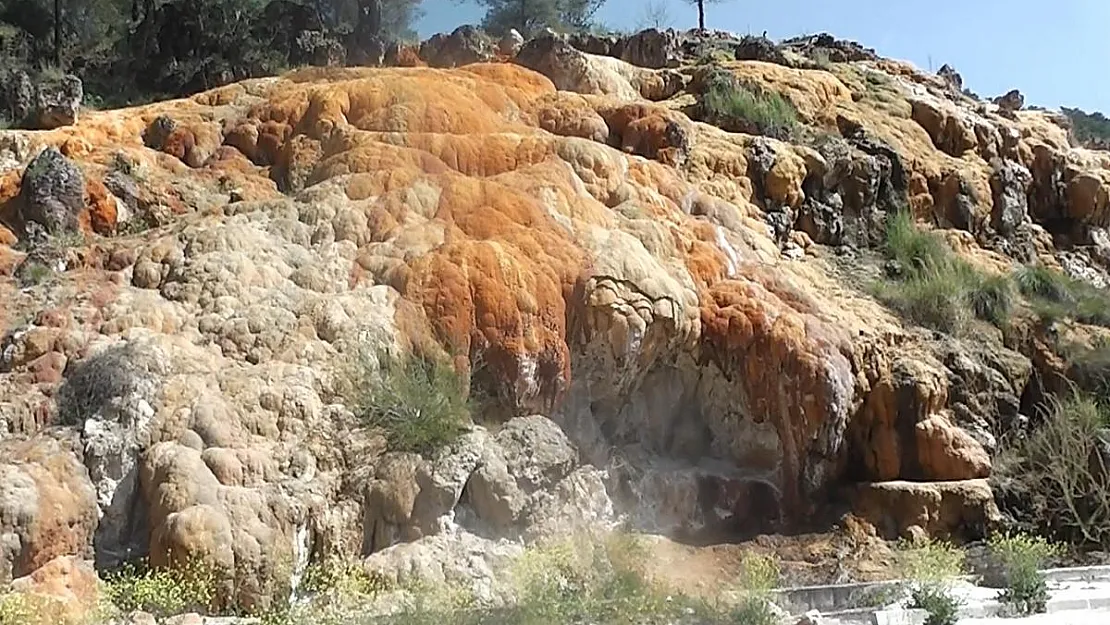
(655, 286)
(828, 46)
(652, 48)
(528, 455)
(41, 105)
(53, 192)
(951, 76)
(1010, 186)
(47, 505)
(63, 591)
(18, 95)
(949, 131)
(112, 396)
(963, 508)
(572, 70)
(510, 43)
(461, 558)
(410, 497)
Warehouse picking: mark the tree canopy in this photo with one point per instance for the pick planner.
(531, 16)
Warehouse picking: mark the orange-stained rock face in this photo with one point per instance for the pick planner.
(50, 510)
(582, 253)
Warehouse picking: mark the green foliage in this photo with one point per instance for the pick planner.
(126, 54)
(34, 273)
(15, 609)
(759, 575)
(1090, 368)
(529, 17)
(930, 560)
(419, 403)
(338, 591)
(1061, 473)
(580, 581)
(1021, 557)
(932, 566)
(942, 607)
(1090, 129)
(935, 288)
(341, 576)
(163, 592)
(749, 108)
(1054, 295)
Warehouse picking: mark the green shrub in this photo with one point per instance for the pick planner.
(1090, 129)
(942, 607)
(1090, 368)
(934, 287)
(1021, 557)
(991, 297)
(931, 567)
(587, 580)
(1062, 474)
(335, 591)
(1055, 295)
(929, 560)
(34, 273)
(747, 108)
(163, 592)
(915, 250)
(419, 403)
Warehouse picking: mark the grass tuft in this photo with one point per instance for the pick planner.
(935, 288)
(1055, 295)
(420, 404)
(739, 107)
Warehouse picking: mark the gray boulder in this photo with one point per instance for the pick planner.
(529, 456)
(52, 192)
(42, 105)
(466, 44)
(58, 104)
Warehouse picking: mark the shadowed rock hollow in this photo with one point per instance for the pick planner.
(665, 293)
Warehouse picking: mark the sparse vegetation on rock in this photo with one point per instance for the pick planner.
(419, 403)
(934, 287)
(1055, 295)
(1089, 129)
(188, 586)
(749, 108)
(668, 318)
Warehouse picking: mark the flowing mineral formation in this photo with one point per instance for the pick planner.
(655, 306)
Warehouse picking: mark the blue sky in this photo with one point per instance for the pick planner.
(1055, 51)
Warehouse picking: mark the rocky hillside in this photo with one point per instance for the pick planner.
(665, 267)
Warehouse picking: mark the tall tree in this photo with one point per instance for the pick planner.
(395, 18)
(531, 16)
(701, 10)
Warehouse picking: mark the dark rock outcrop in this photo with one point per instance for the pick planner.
(466, 44)
(52, 192)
